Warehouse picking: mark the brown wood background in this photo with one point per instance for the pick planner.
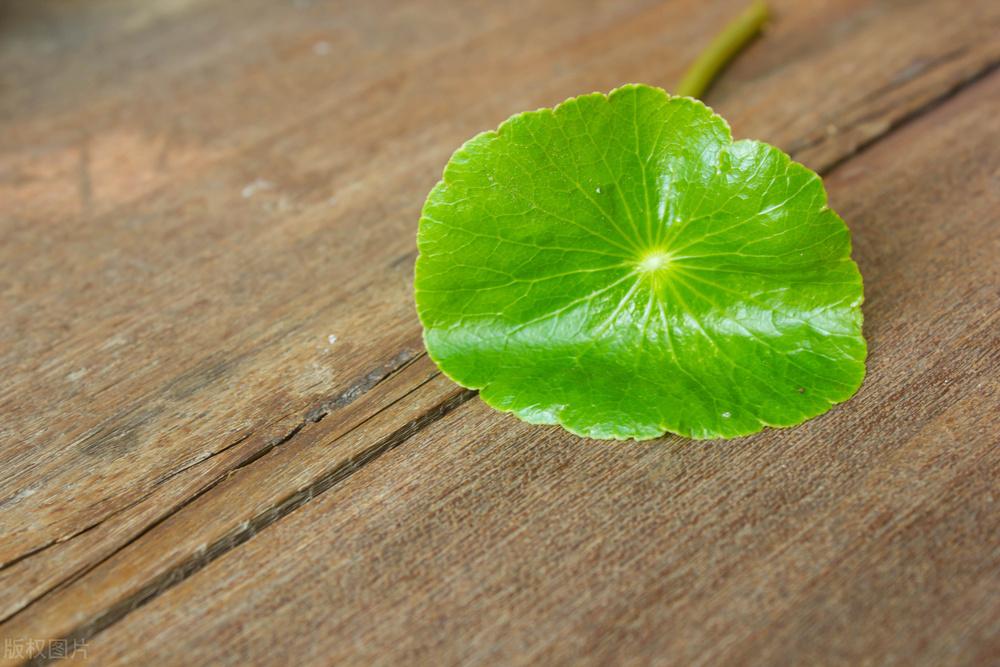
(196, 195)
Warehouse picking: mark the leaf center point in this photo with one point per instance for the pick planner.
(654, 260)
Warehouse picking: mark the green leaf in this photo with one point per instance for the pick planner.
(620, 266)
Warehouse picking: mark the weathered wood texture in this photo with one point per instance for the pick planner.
(870, 534)
(195, 196)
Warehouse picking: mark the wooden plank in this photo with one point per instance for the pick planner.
(150, 352)
(867, 536)
(170, 339)
(172, 241)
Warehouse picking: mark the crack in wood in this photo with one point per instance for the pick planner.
(355, 390)
(952, 91)
(111, 515)
(117, 431)
(247, 529)
(892, 125)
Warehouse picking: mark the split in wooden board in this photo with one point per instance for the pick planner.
(202, 278)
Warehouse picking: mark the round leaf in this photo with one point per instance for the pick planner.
(620, 266)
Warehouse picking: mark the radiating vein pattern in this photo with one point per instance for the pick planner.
(620, 266)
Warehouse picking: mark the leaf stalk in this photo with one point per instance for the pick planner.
(723, 49)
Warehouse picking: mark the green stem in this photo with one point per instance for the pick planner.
(723, 48)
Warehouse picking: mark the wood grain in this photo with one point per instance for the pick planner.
(869, 535)
(188, 318)
(187, 220)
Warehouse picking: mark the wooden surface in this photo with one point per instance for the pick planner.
(221, 441)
